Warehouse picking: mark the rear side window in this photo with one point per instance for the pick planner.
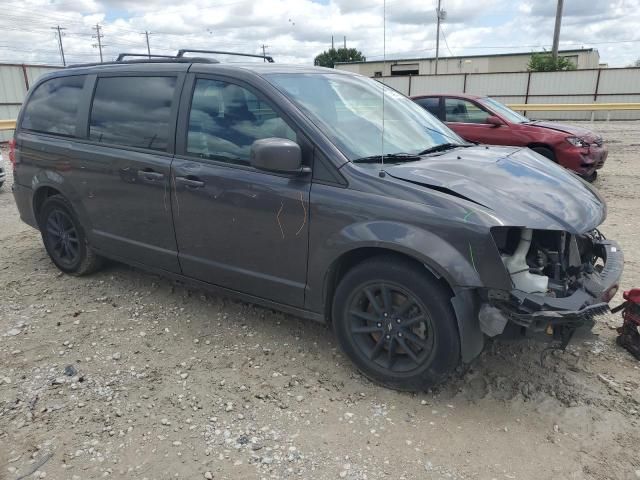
(53, 107)
(132, 111)
(431, 104)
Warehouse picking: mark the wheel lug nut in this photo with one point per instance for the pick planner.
(379, 324)
(388, 337)
(399, 334)
(398, 320)
(386, 314)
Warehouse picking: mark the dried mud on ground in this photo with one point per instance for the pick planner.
(126, 375)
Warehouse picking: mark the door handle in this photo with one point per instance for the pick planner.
(190, 182)
(150, 175)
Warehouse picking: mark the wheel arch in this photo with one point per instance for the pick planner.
(351, 258)
(39, 197)
(464, 301)
(46, 185)
(533, 145)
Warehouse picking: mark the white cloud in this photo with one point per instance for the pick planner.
(297, 30)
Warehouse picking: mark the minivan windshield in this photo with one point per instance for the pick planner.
(503, 110)
(348, 109)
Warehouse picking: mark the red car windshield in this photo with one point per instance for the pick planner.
(504, 111)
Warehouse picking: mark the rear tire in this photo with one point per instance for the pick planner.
(64, 238)
(395, 322)
(545, 152)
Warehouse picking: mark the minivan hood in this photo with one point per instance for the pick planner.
(519, 186)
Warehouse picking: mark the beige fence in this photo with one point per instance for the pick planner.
(605, 85)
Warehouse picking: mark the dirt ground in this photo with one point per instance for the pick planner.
(126, 375)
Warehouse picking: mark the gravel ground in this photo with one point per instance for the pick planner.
(127, 375)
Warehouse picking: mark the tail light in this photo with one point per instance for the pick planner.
(12, 152)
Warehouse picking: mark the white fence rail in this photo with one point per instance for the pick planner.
(606, 85)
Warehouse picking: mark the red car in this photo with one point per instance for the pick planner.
(485, 120)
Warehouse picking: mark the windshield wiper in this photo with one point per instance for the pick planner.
(442, 147)
(392, 157)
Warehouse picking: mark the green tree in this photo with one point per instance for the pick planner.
(328, 58)
(544, 62)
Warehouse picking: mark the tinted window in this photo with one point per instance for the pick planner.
(53, 107)
(132, 111)
(432, 105)
(226, 119)
(463, 111)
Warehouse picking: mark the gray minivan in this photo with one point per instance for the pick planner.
(317, 192)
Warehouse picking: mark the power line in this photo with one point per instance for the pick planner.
(444, 37)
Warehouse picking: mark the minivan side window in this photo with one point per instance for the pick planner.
(53, 106)
(132, 111)
(226, 119)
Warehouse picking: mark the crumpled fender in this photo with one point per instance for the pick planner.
(428, 248)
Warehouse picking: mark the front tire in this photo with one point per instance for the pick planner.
(64, 238)
(394, 320)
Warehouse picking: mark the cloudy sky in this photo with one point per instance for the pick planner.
(297, 30)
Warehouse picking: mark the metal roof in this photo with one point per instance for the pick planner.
(490, 55)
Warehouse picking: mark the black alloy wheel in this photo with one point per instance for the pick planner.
(62, 238)
(391, 327)
(394, 320)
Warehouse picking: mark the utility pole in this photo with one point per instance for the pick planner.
(264, 52)
(556, 31)
(345, 42)
(99, 36)
(438, 35)
(59, 30)
(332, 47)
(146, 34)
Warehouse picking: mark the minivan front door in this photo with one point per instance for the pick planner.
(237, 227)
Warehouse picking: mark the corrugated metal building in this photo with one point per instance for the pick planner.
(503, 62)
(15, 80)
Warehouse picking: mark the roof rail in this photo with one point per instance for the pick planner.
(141, 55)
(181, 53)
(162, 59)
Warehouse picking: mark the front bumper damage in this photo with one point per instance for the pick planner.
(538, 312)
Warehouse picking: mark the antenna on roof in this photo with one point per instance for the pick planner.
(384, 60)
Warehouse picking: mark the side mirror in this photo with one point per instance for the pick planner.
(277, 155)
(495, 121)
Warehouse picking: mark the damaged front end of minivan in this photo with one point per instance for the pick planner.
(561, 281)
(532, 238)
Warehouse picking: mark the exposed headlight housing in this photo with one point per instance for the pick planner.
(577, 142)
